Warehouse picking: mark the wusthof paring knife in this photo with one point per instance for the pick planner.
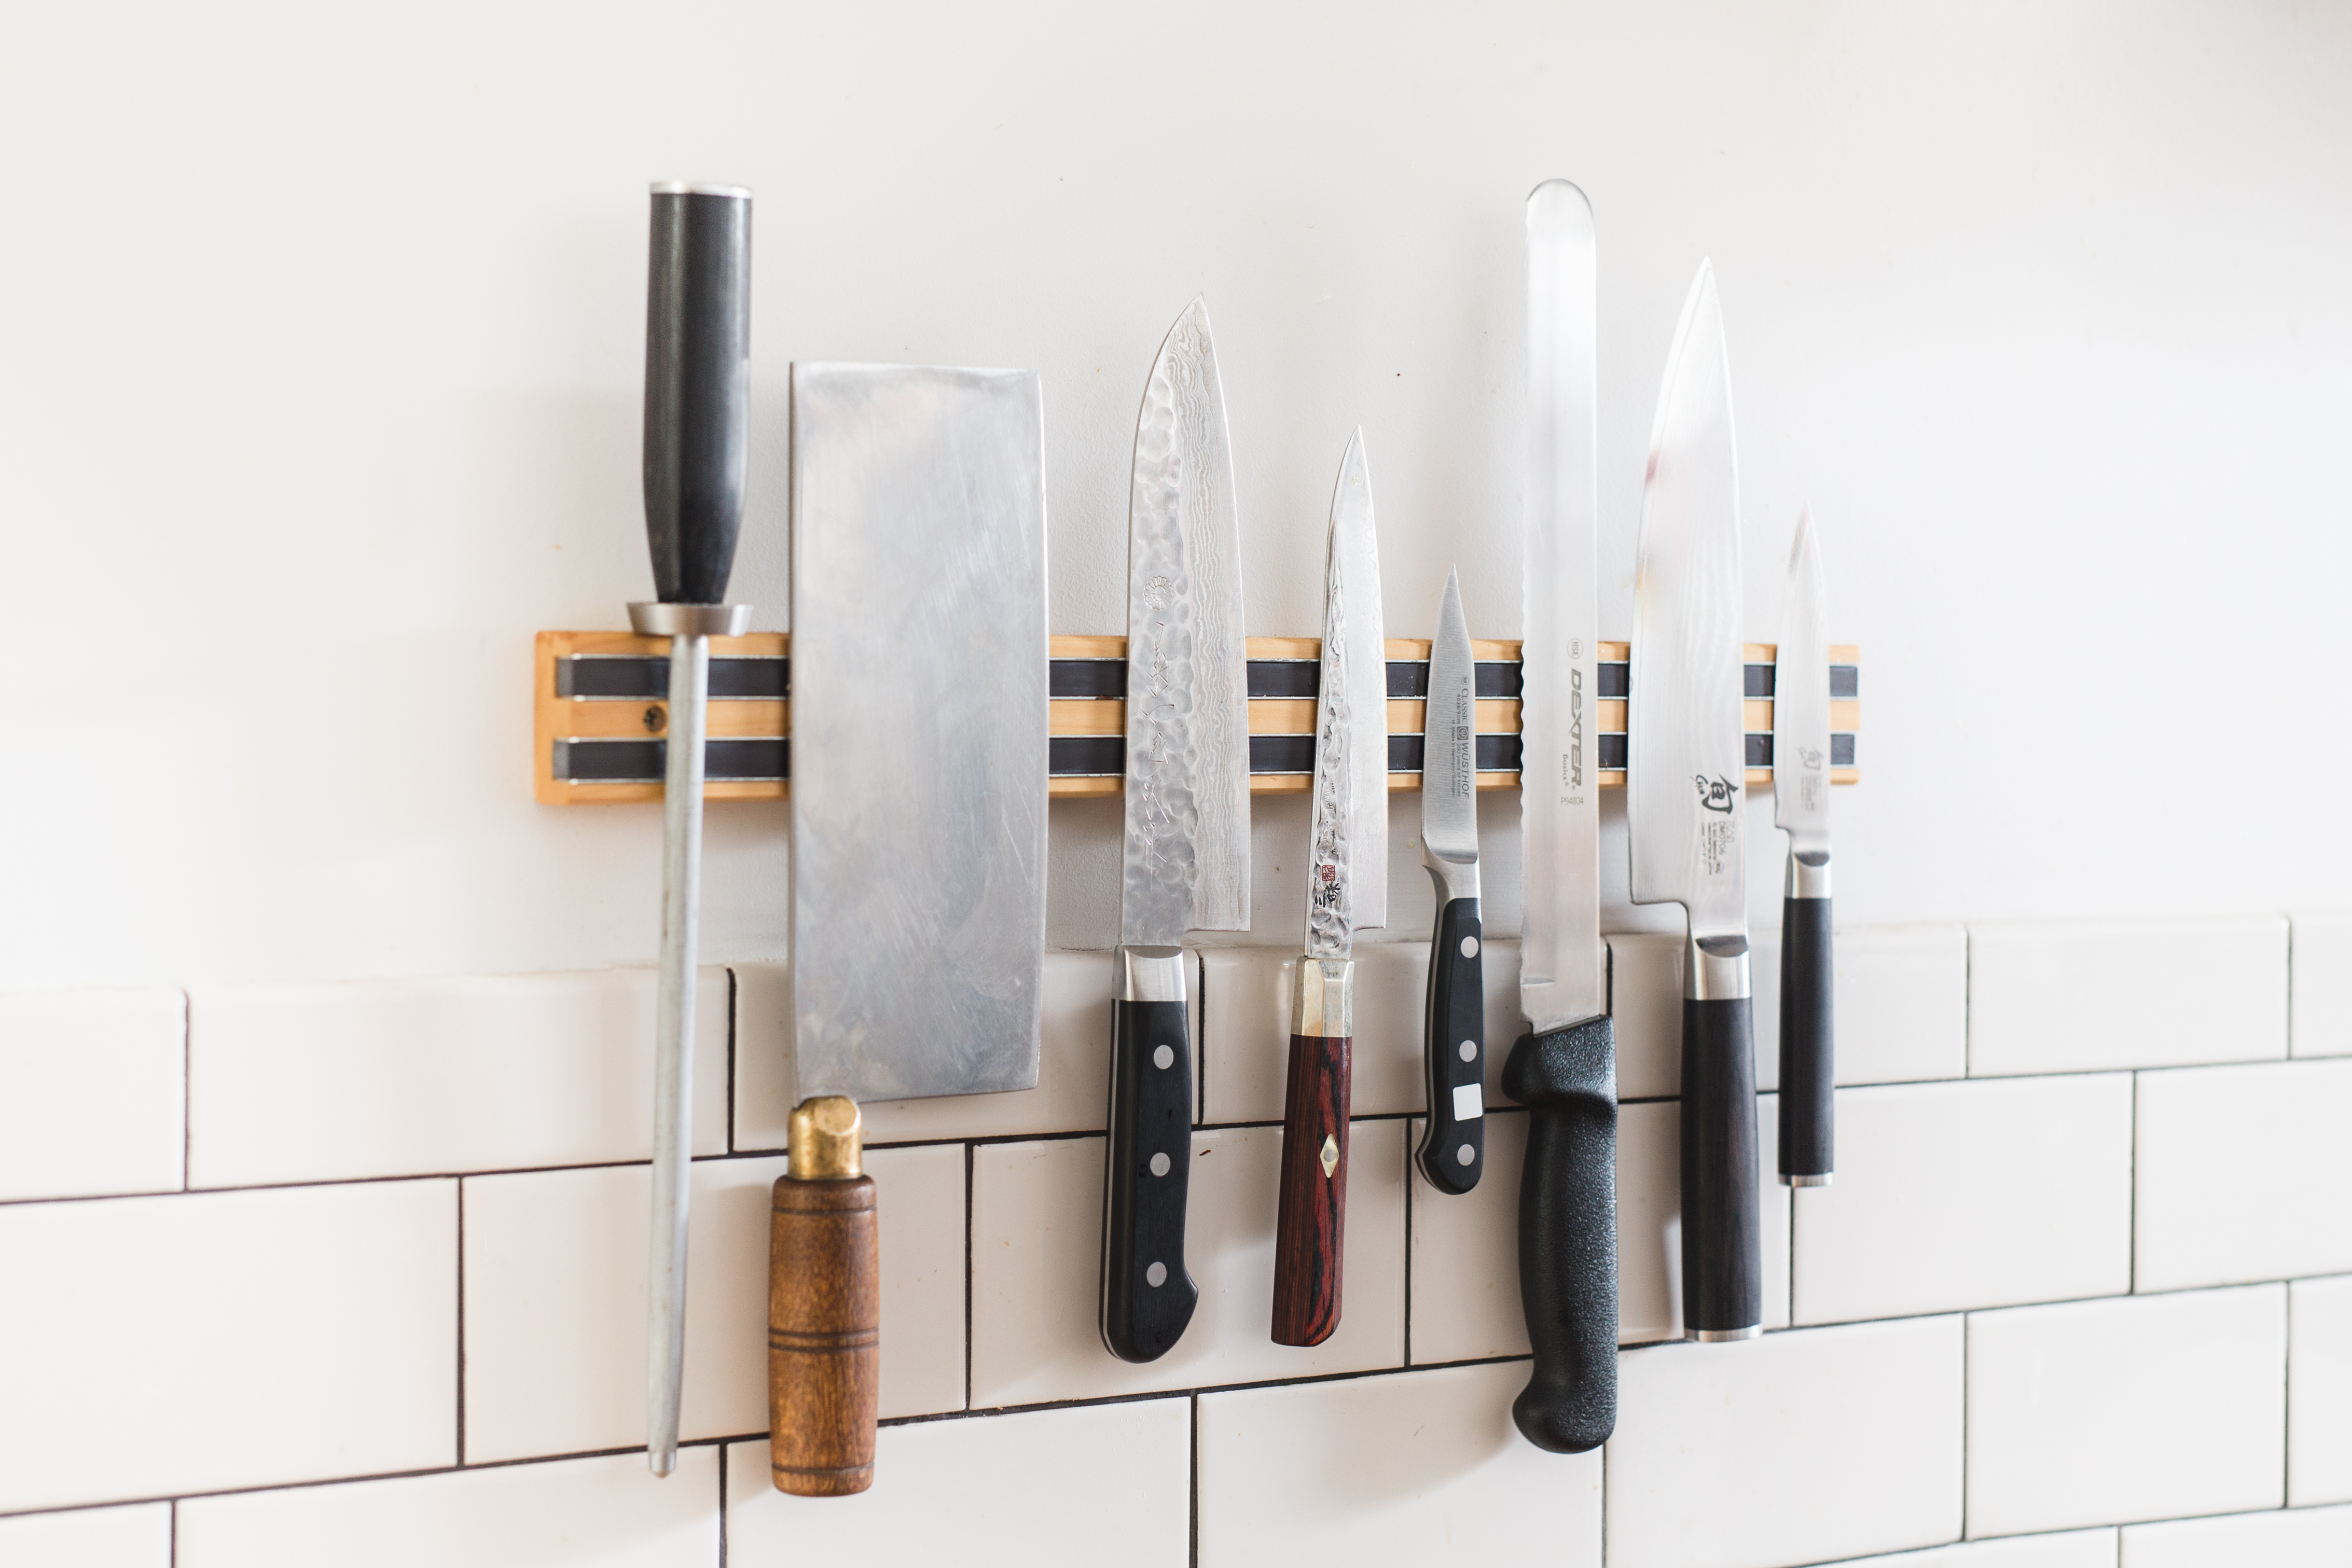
(1801, 807)
(1350, 720)
(1564, 1068)
(1185, 854)
(1686, 806)
(1453, 1035)
(698, 396)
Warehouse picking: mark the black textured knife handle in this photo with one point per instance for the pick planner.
(1808, 1044)
(1453, 1051)
(697, 387)
(1567, 1233)
(1147, 1296)
(1723, 1256)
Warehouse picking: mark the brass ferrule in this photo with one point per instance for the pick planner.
(826, 1139)
(1324, 1003)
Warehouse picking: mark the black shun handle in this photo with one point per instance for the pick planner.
(1808, 1044)
(1147, 1296)
(1567, 1233)
(1453, 1051)
(1723, 1259)
(697, 387)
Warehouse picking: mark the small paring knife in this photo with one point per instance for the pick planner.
(1454, 1034)
(1801, 807)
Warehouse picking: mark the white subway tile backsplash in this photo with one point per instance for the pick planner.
(2235, 1165)
(2074, 1549)
(2094, 996)
(604, 1512)
(2140, 1409)
(1645, 1003)
(91, 1092)
(1973, 1194)
(1649, 1220)
(2319, 1392)
(2320, 1006)
(135, 1537)
(1465, 1256)
(1044, 1489)
(155, 1346)
(2312, 1538)
(1795, 1447)
(1424, 1467)
(1036, 1251)
(1902, 1007)
(375, 1078)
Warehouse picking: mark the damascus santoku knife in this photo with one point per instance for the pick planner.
(698, 396)
(1453, 1024)
(1801, 807)
(1564, 1068)
(1350, 724)
(1686, 775)
(1185, 852)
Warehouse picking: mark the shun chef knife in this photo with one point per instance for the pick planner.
(1801, 807)
(920, 714)
(1453, 1032)
(1350, 724)
(1564, 1068)
(1686, 770)
(697, 394)
(1185, 855)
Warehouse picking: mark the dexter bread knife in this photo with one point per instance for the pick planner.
(1453, 1032)
(1801, 807)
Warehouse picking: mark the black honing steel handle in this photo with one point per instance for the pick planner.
(1147, 1296)
(698, 388)
(1808, 1044)
(1311, 1210)
(1453, 1051)
(1567, 1233)
(1722, 1255)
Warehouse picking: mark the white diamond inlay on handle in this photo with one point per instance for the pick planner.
(1330, 1154)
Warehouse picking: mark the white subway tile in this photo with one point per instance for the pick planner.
(1422, 1467)
(1645, 1001)
(245, 1339)
(91, 1086)
(2241, 1176)
(556, 1300)
(2321, 989)
(371, 1078)
(1245, 1030)
(1957, 1195)
(1466, 1254)
(1036, 1250)
(2113, 1411)
(1649, 1220)
(608, 1512)
(1902, 1013)
(2074, 1549)
(2308, 1538)
(2319, 1392)
(1045, 1488)
(2093, 996)
(1795, 1447)
(135, 1537)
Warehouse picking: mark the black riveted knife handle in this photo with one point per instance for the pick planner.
(1567, 1233)
(698, 388)
(1456, 1021)
(1808, 1044)
(1147, 1160)
(1723, 1266)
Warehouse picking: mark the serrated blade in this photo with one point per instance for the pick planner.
(1186, 849)
(1801, 701)
(1347, 873)
(1449, 737)
(1686, 749)
(1562, 977)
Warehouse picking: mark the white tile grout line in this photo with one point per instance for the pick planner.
(2287, 1404)
(461, 1321)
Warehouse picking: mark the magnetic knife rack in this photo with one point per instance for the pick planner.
(600, 709)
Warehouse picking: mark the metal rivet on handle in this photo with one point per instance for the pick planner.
(1156, 1276)
(1163, 1059)
(1160, 1164)
(1469, 946)
(1469, 1050)
(1466, 1154)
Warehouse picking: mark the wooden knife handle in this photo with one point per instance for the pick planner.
(1312, 1219)
(1147, 1296)
(1808, 1048)
(697, 387)
(1723, 1257)
(1453, 1052)
(824, 1333)
(1567, 1233)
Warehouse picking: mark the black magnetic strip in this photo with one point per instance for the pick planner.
(1614, 680)
(1086, 756)
(644, 761)
(1841, 749)
(1760, 750)
(1759, 681)
(641, 676)
(1086, 678)
(1097, 678)
(1845, 681)
(1611, 750)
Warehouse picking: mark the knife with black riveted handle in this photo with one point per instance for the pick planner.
(1454, 1036)
(1801, 807)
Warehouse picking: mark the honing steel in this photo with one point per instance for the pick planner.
(1347, 816)
(698, 401)
(1454, 1034)
(919, 763)
(1564, 1068)
(1801, 807)
(1185, 856)
(1686, 773)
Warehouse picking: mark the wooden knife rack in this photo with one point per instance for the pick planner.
(600, 710)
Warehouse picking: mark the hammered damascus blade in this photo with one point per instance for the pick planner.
(1356, 561)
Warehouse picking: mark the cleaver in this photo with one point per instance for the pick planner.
(918, 713)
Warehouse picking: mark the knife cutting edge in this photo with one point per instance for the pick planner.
(1350, 723)
(1564, 1068)
(1453, 1035)
(1686, 803)
(1801, 807)
(1185, 841)
(698, 395)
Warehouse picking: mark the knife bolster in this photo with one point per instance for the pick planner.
(1714, 969)
(1455, 879)
(1323, 1004)
(1808, 874)
(825, 1335)
(1151, 974)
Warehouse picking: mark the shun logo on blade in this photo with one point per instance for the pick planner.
(1717, 794)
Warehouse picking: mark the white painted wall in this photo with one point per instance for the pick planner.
(320, 337)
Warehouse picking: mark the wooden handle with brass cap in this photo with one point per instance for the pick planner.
(825, 1307)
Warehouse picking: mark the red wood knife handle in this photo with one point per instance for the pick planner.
(1313, 1216)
